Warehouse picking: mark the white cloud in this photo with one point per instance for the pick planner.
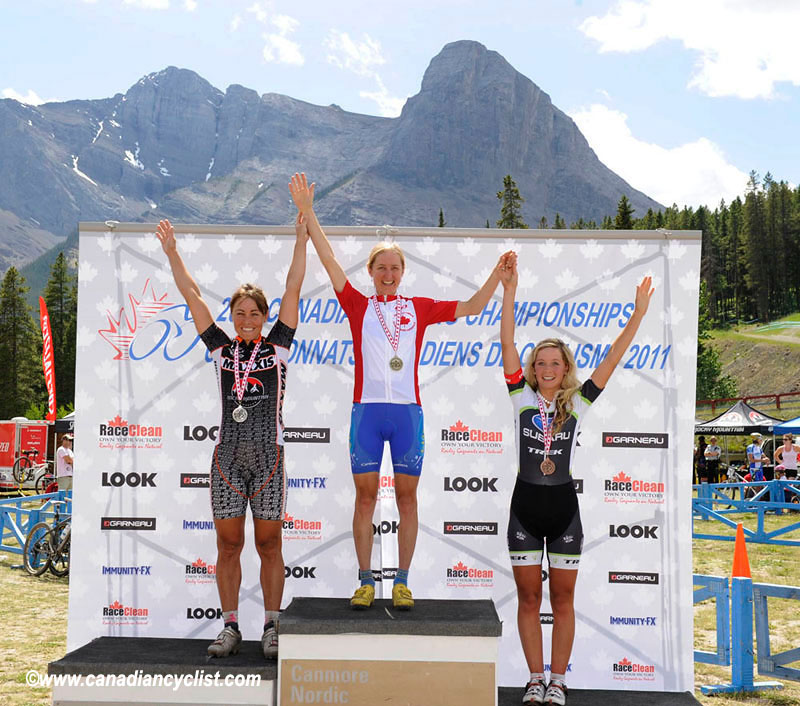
(693, 174)
(744, 47)
(236, 20)
(362, 58)
(190, 5)
(30, 98)
(150, 4)
(284, 51)
(277, 45)
(259, 10)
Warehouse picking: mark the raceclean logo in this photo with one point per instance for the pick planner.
(633, 531)
(635, 440)
(117, 613)
(298, 528)
(464, 576)
(119, 433)
(623, 489)
(200, 572)
(460, 439)
(625, 670)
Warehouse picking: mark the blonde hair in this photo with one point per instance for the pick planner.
(251, 291)
(385, 247)
(569, 384)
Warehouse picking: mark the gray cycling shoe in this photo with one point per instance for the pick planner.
(227, 643)
(269, 640)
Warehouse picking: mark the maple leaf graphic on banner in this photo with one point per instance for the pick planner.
(115, 605)
(621, 477)
(122, 328)
(460, 566)
(199, 563)
(459, 426)
(625, 661)
(118, 422)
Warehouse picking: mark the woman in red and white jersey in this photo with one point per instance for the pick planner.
(387, 331)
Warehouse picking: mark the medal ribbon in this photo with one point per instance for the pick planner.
(547, 429)
(394, 339)
(238, 383)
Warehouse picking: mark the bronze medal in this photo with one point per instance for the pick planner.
(547, 466)
(396, 364)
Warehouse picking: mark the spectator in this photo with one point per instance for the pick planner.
(786, 456)
(712, 455)
(64, 461)
(755, 458)
(700, 460)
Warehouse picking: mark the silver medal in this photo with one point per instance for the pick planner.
(396, 363)
(239, 414)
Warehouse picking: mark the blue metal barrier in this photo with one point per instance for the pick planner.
(768, 663)
(715, 587)
(764, 497)
(16, 520)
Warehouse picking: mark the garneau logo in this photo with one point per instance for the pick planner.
(308, 435)
(635, 440)
(649, 621)
(634, 531)
(470, 528)
(546, 618)
(474, 485)
(195, 480)
(127, 523)
(127, 570)
(632, 577)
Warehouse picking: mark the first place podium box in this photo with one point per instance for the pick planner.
(443, 652)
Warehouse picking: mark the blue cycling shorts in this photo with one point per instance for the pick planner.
(373, 423)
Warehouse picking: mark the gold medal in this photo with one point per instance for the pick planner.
(396, 363)
(547, 466)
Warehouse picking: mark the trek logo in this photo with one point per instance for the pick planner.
(633, 531)
(474, 485)
(300, 572)
(635, 440)
(195, 480)
(471, 528)
(308, 435)
(636, 577)
(200, 433)
(198, 525)
(649, 621)
(385, 527)
(141, 570)
(127, 523)
(132, 480)
(203, 613)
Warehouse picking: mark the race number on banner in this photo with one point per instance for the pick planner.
(147, 416)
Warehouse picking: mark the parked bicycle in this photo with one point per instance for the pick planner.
(27, 467)
(48, 547)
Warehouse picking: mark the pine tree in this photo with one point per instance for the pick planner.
(487, 224)
(60, 295)
(711, 383)
(511, 208)
(624, 219)
(543, 225)
(559, 222)
(442, 221)
(21, 377)
(607, 224)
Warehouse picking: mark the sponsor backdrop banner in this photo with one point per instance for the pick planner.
(147, 416)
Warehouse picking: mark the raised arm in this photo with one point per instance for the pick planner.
(508, 278)
(303, 197)
(294, 277)
(186, 284)
(603, 371)
(474, 305)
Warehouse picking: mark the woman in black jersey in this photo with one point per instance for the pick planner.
(247, 466)
(549, 404)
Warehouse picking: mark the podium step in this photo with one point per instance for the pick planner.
(509, 696)
(145, 670)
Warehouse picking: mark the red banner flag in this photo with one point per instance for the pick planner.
(48, 362)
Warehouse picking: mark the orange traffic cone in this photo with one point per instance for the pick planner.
(741, 564)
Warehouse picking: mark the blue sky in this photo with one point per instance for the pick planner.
(680, 97)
